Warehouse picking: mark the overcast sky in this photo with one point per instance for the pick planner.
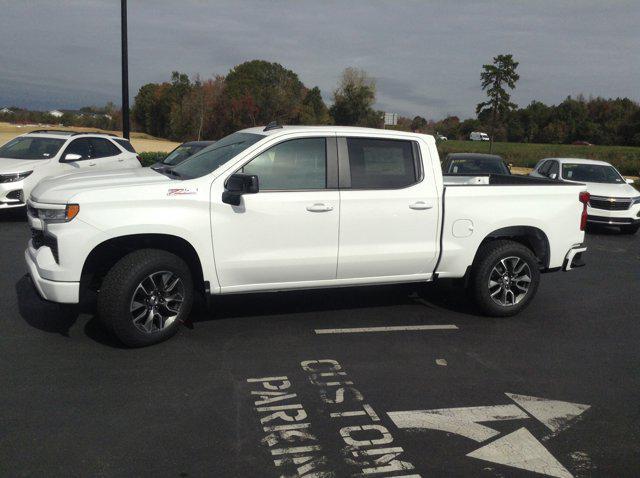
(426, 56)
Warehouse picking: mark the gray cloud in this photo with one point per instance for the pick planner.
(425, 56)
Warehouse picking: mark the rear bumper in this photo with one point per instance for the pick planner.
(573, 259)
(55, 291)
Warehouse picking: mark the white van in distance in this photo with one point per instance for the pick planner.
(478, 136)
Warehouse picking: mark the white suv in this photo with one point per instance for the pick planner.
(31, 157)
(613, 200)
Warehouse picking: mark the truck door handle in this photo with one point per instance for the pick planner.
(420, 205)
(92, 164)
(120, 160)
(319, 207)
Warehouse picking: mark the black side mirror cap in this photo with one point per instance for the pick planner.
(237, 185)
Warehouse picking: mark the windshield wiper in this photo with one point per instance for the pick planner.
(171, 172)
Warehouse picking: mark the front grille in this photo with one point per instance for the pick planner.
(39, 239)
(610, 204)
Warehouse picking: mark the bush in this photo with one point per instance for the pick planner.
(150, 157)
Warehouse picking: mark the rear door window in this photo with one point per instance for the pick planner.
(381, 163)
(103, 148)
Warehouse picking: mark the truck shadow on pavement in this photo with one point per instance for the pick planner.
(43, 315)
(435, 298)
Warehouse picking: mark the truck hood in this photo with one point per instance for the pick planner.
(621, 190)
(8, 165)
(60, 189)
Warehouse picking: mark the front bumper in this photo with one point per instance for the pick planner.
(12, 194)
(55, 291)
(613, 221)
(573, 259)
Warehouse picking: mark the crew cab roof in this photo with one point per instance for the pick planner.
(346, 130)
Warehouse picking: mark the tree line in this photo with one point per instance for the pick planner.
(252, 93)
(258, 92)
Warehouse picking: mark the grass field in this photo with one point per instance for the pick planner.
(526, 155)
(140, 141)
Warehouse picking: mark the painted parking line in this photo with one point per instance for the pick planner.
(395, 328)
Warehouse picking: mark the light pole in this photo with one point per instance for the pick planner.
(125, 70)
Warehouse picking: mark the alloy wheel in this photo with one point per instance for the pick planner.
(157, 301)
(509, 281)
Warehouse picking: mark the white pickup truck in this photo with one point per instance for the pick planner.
(281, 208)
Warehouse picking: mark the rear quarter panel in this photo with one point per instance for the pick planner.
(554, 209)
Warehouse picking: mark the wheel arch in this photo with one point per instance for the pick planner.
(529, 236)
(105, 255)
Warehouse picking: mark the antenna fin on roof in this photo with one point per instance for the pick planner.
(272, 125)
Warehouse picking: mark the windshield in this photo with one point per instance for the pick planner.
(477, 166)
(181, 153)
(30, 147)
(214, 156)
(591, 173)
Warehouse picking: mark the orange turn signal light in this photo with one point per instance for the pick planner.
(71, 211)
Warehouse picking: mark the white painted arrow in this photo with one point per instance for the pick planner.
(461, 421)
(521, 450)
(554, 414)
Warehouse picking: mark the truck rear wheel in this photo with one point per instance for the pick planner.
(145, 296)
(504, 278)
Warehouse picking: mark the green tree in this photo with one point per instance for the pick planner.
(263, 92)
(314, 111)
(495, 77)
(418, 123)
(353, 100)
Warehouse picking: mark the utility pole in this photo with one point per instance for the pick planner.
(125, 70)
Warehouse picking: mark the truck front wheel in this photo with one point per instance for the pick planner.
(504, 278)
(145, 296)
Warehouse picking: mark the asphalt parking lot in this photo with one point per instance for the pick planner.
(262, 386)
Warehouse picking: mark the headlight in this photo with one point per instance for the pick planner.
(12, 178)
(635, 200)
(59, 215)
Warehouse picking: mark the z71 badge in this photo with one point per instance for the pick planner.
(181, 192)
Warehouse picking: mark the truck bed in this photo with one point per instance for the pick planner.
(475, 207)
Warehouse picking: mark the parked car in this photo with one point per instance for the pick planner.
(474, 164)
(281, 208)
(479, 136)
(441, 137)
(182, 152)
(613, 200)
(27, 159)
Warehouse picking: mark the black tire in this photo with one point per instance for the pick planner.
(631, 229)
(129, 279)
(490, 257)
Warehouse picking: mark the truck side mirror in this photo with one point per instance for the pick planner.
(237, 185)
